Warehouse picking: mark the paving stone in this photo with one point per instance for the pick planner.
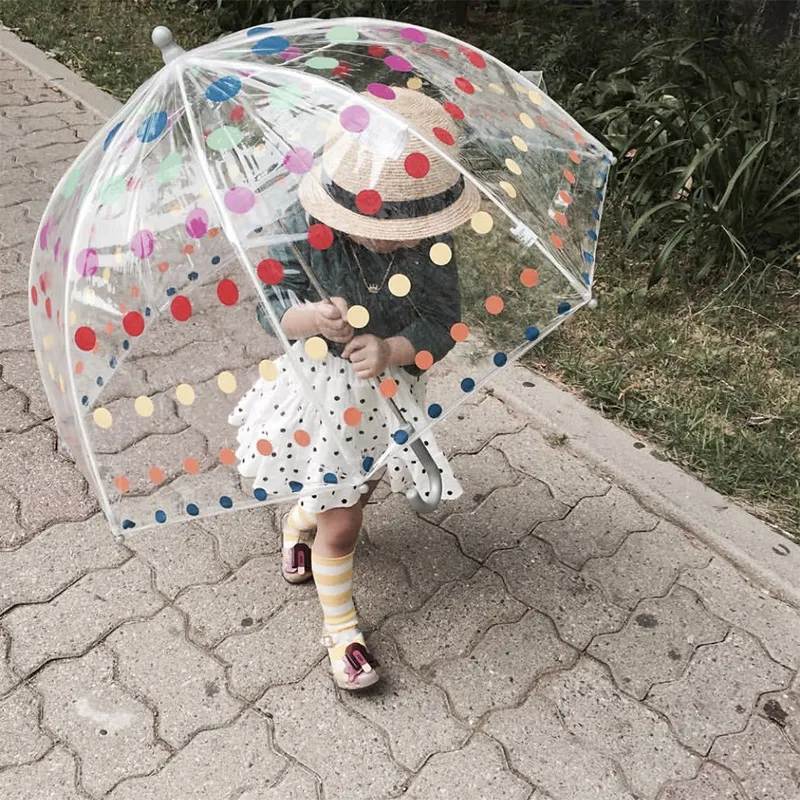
(719, 689)
(13, 307)
(111, 732)
(413, 713)
(763, 760)
(32, 124)
(350, 755)
(478, 770)
(50, 778)
(503, 666)
(16, 225)
(12, 534)
(728, 595)
(557, 762)
(712, 783)
(236, 761)
(783, 708)
(181, 555)
(16, 337)
(451, 622)
(567, 476)
(55, 558)
(281, 651)
(576, 606)
(23, 740)
(79, 616)
(504, 518)
(42, 109)
(254, 592)
(629, 733)
(21, 371)
(14, 416)
(473, 426)
(657, 641)
(7, 677)
(46, 141)
(24, 193)
(52, 153)
(646, 564)
(186, 685)
(297, 784)
(248, 533)
(597, 526)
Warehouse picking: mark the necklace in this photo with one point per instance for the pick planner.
(372, 288)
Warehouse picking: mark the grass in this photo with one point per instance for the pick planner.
(710, 377)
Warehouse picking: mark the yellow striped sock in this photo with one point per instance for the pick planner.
(334, 580)
(297, 526)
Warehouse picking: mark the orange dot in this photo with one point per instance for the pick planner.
(424, 359)
(565, 197)
(227, 456)
(109, 328)
(191, 465)
(352, 416)
(570, 176)
(557, 241)
(156, 474)
(494, 304)
(122, 483)
(560, 218)
(123, 308)
(163, 266)
(388, 387)
(78, 367)
(574, 157)
(134, 291)
(264, 447)
(188, 249)
(96, 348)
(302, 438)
(578, 137)
(459, 332)
(529, 278)
(212, 232)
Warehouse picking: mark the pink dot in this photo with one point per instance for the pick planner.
(290, 52)
(354, 119)
(299, 160)
(44, 233)
(239, 199)
(86, 262)
(197, 223)
(381, 90)
(398, 63)
(414, 35)
(56, 249)
(142, 244)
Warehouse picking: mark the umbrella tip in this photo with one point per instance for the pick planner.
(593, 303)
(162, 39)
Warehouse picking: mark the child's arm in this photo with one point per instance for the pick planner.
(311, 319)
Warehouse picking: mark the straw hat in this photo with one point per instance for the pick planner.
(380, 180)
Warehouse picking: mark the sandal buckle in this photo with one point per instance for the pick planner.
(301, 558)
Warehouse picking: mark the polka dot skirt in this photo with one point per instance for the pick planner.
(319, 436)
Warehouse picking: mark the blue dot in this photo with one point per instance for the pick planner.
(295, 486)
(531, 333)
(607, 159)
(260, 493)
(400, 436)
(225, 501)
(467, 385)
(192, 510)
(270, 45)
(111, 134)
(329, 477)
(434, 410)
(99, 381)
(592, 235)
(85, 400)
(147, 311)
(603, 174)
(127, 524)
(215, 260)
(152, 127)
(112, 363)
(161, 516)
(367, 463)
(599, 194)
(192, 276)
(586, 278)
(257, 31)
(170, 291)
(596, 214)
(500, 359)
(224, 89)
(563, 307)
(588, 257)
(258, 230)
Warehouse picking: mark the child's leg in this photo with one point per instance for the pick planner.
(296, 555)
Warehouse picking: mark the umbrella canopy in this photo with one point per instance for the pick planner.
(180, 218)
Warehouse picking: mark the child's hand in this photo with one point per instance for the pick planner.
(368, 354)
(331, 320)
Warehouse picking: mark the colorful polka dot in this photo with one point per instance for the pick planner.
(192, 510)
(424, 359)
(329, 477)
(494, 304)
(453, 110)
(434, 411)
(143, 244)
(296, 486)
(320, 236)
(225, 501)
(160, 516)
(465, 85)
(143, 406)
(352, 417)
(133, 323)
(270, 45)
(184, 394)
(574, 157)
(227, 456)
(227, 292)
(267, 370)
(111, 134)
(224, 89)
(513, 167)
(322, 62)
(519, 143)
(482, 222)
(467, 385)
(441, 254)
(342, 34)
(531, 333)
(496, 89)
(86, 262)
(414, 35)
(560, 218)
(197, 223)
(564, 307)
(156, 475)
(181, 308)
(299, 161)
(270, 271)
(381, 90)
(354, 119)
(152, 127)
(398, 63)
(529, 278)
(226, 381)
(358, 316)
(368, 201)
(459, 332)
(399, 285)
(239, 199)
(302, 438)
(444, 136)
(414, 83)
(191, 466)
(316, 348)
(508, 188)
(476, 59)
(224, 138)
(569, 175)
(122, 484)
(500, 359)
(557, 241)
(535, 97)
(260, 493)
(388, 387)
(400, 436)
(264, 447)
(417, 165)
(102, 418)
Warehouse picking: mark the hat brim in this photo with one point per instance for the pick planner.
(320, 205)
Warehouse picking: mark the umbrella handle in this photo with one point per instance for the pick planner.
(419, 503)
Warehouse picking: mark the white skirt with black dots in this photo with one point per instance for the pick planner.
(286, 448)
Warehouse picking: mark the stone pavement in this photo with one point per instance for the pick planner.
(545, 638)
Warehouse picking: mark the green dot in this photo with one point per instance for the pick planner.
(169, 168)
(71, 182)
(112, 190)
(224, 138)
(286, 96)
(322, 62)
(344, 34)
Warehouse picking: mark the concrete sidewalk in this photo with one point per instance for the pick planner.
(581, 626)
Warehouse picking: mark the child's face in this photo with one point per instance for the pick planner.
(384, 245)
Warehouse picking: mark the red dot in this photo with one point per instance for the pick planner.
(574, 157)
(320, 236)
(85, 338)
(557, 241)
(34, 296)
(237, 113)
(417, 165)
(181, 308)
(476, 59)
(453, 110)
(465, 85)
(369, 201)
(43, 282)
(228, 292)
(133, 322)
(342, 71)
(48, 308)
(376, 51)
(440, 52)
(444, 136)
(560, 218)
(270, 271)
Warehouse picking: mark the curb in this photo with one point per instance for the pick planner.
(766, 557)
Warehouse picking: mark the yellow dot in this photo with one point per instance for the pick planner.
(61, 383)
(520, 143)
(143, 406)
(48, 341)
(316, 348)
(508, 189)
(233, 171)
(520, 88)
(118, 255)
(185, 394)
(177, 208)
(52, 370)
(226, 382)
(102, 417)
(358, 316)
(527, 120)
(535, 97)
(414, 83)
(107, 274)
(73, 317)
(267, 370)
(513, 167)
(497, 89)
(90, 293)
(205, 193)
(441, 253)
(399, 285)
(482, 222)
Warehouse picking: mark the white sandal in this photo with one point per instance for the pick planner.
(353, 666)
(296, 558)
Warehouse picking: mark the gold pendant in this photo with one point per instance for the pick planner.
(373, 288)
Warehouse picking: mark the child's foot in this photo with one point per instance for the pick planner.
(353, 666)
(298, 529)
